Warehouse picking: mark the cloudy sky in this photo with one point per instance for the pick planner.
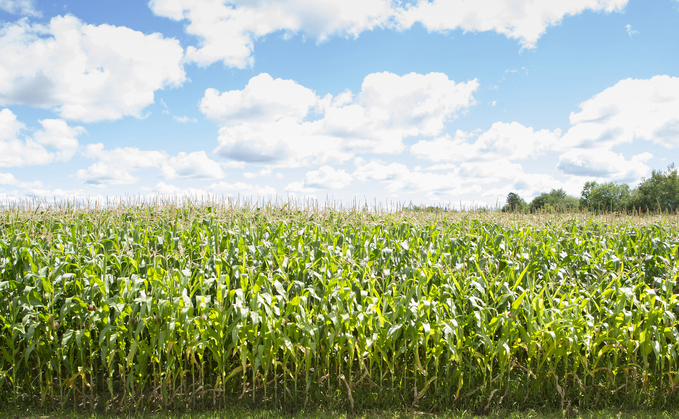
(431, 101)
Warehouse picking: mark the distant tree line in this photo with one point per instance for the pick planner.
(660, 192)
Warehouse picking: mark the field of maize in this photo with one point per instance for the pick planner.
(204, 307)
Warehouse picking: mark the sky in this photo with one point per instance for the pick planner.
(432, 102)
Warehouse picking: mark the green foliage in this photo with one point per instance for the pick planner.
(514, 203)
(174, 307)
(605, 197)
(556, 200)
(659, 192)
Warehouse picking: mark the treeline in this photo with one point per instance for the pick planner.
(658, 193)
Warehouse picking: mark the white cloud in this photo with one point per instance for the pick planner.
(227, 29)
(631, 109)
(184, 119)
(400, 106)
(102, 174)
(126, 156)
(402, 183)
(511, 141)
(19, 7)
(59, 194)
(264, 99)
(17, 152)
(7, 179)
(85, 72)
(58, 135)
(484, 172)
(529, 185)
(10, 127)
(327, 177)
(194, 165)
(251, 175)
(232, 164)
(472, 183)
(115, 166)
(265, 122)
(296, 188)
(631, 32)
(604, 164)
(284, 142)
(515, 142)
(525, 20)
(242, 189)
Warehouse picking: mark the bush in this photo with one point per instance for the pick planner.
(555, 200)
(514, 203)
(605, 197)
(659, 192)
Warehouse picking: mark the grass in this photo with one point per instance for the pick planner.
(163, 307)
(379, 414)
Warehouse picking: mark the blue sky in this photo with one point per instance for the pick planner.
(436, 102)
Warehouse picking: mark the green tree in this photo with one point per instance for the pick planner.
(555, 200)
(514, 203)
(605, 196)
(659, 192)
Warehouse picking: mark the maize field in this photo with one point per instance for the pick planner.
(203, 307)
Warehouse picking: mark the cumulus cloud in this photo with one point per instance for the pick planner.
(19, 7)
(472, 183)
(284, 142)
(263, 172)
(15, 152)
(529, 185)
(116, 167)
(503, 140)
(194, 165)
(604, 164)
(264, 99)
(228, 29)
(56, 135)
(402, 183)
(7, 179)
(631, 109)
(85, 72)
(297, 188)
(525, 21)
(268, 121)
(327, 177)
(242, 189)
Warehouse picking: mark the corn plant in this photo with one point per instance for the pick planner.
(204, 306)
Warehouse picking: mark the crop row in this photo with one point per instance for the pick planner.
(175, 307)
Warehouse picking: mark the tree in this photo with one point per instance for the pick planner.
(605, 196)
(659, 192)
(514, 203)
(556, 199)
